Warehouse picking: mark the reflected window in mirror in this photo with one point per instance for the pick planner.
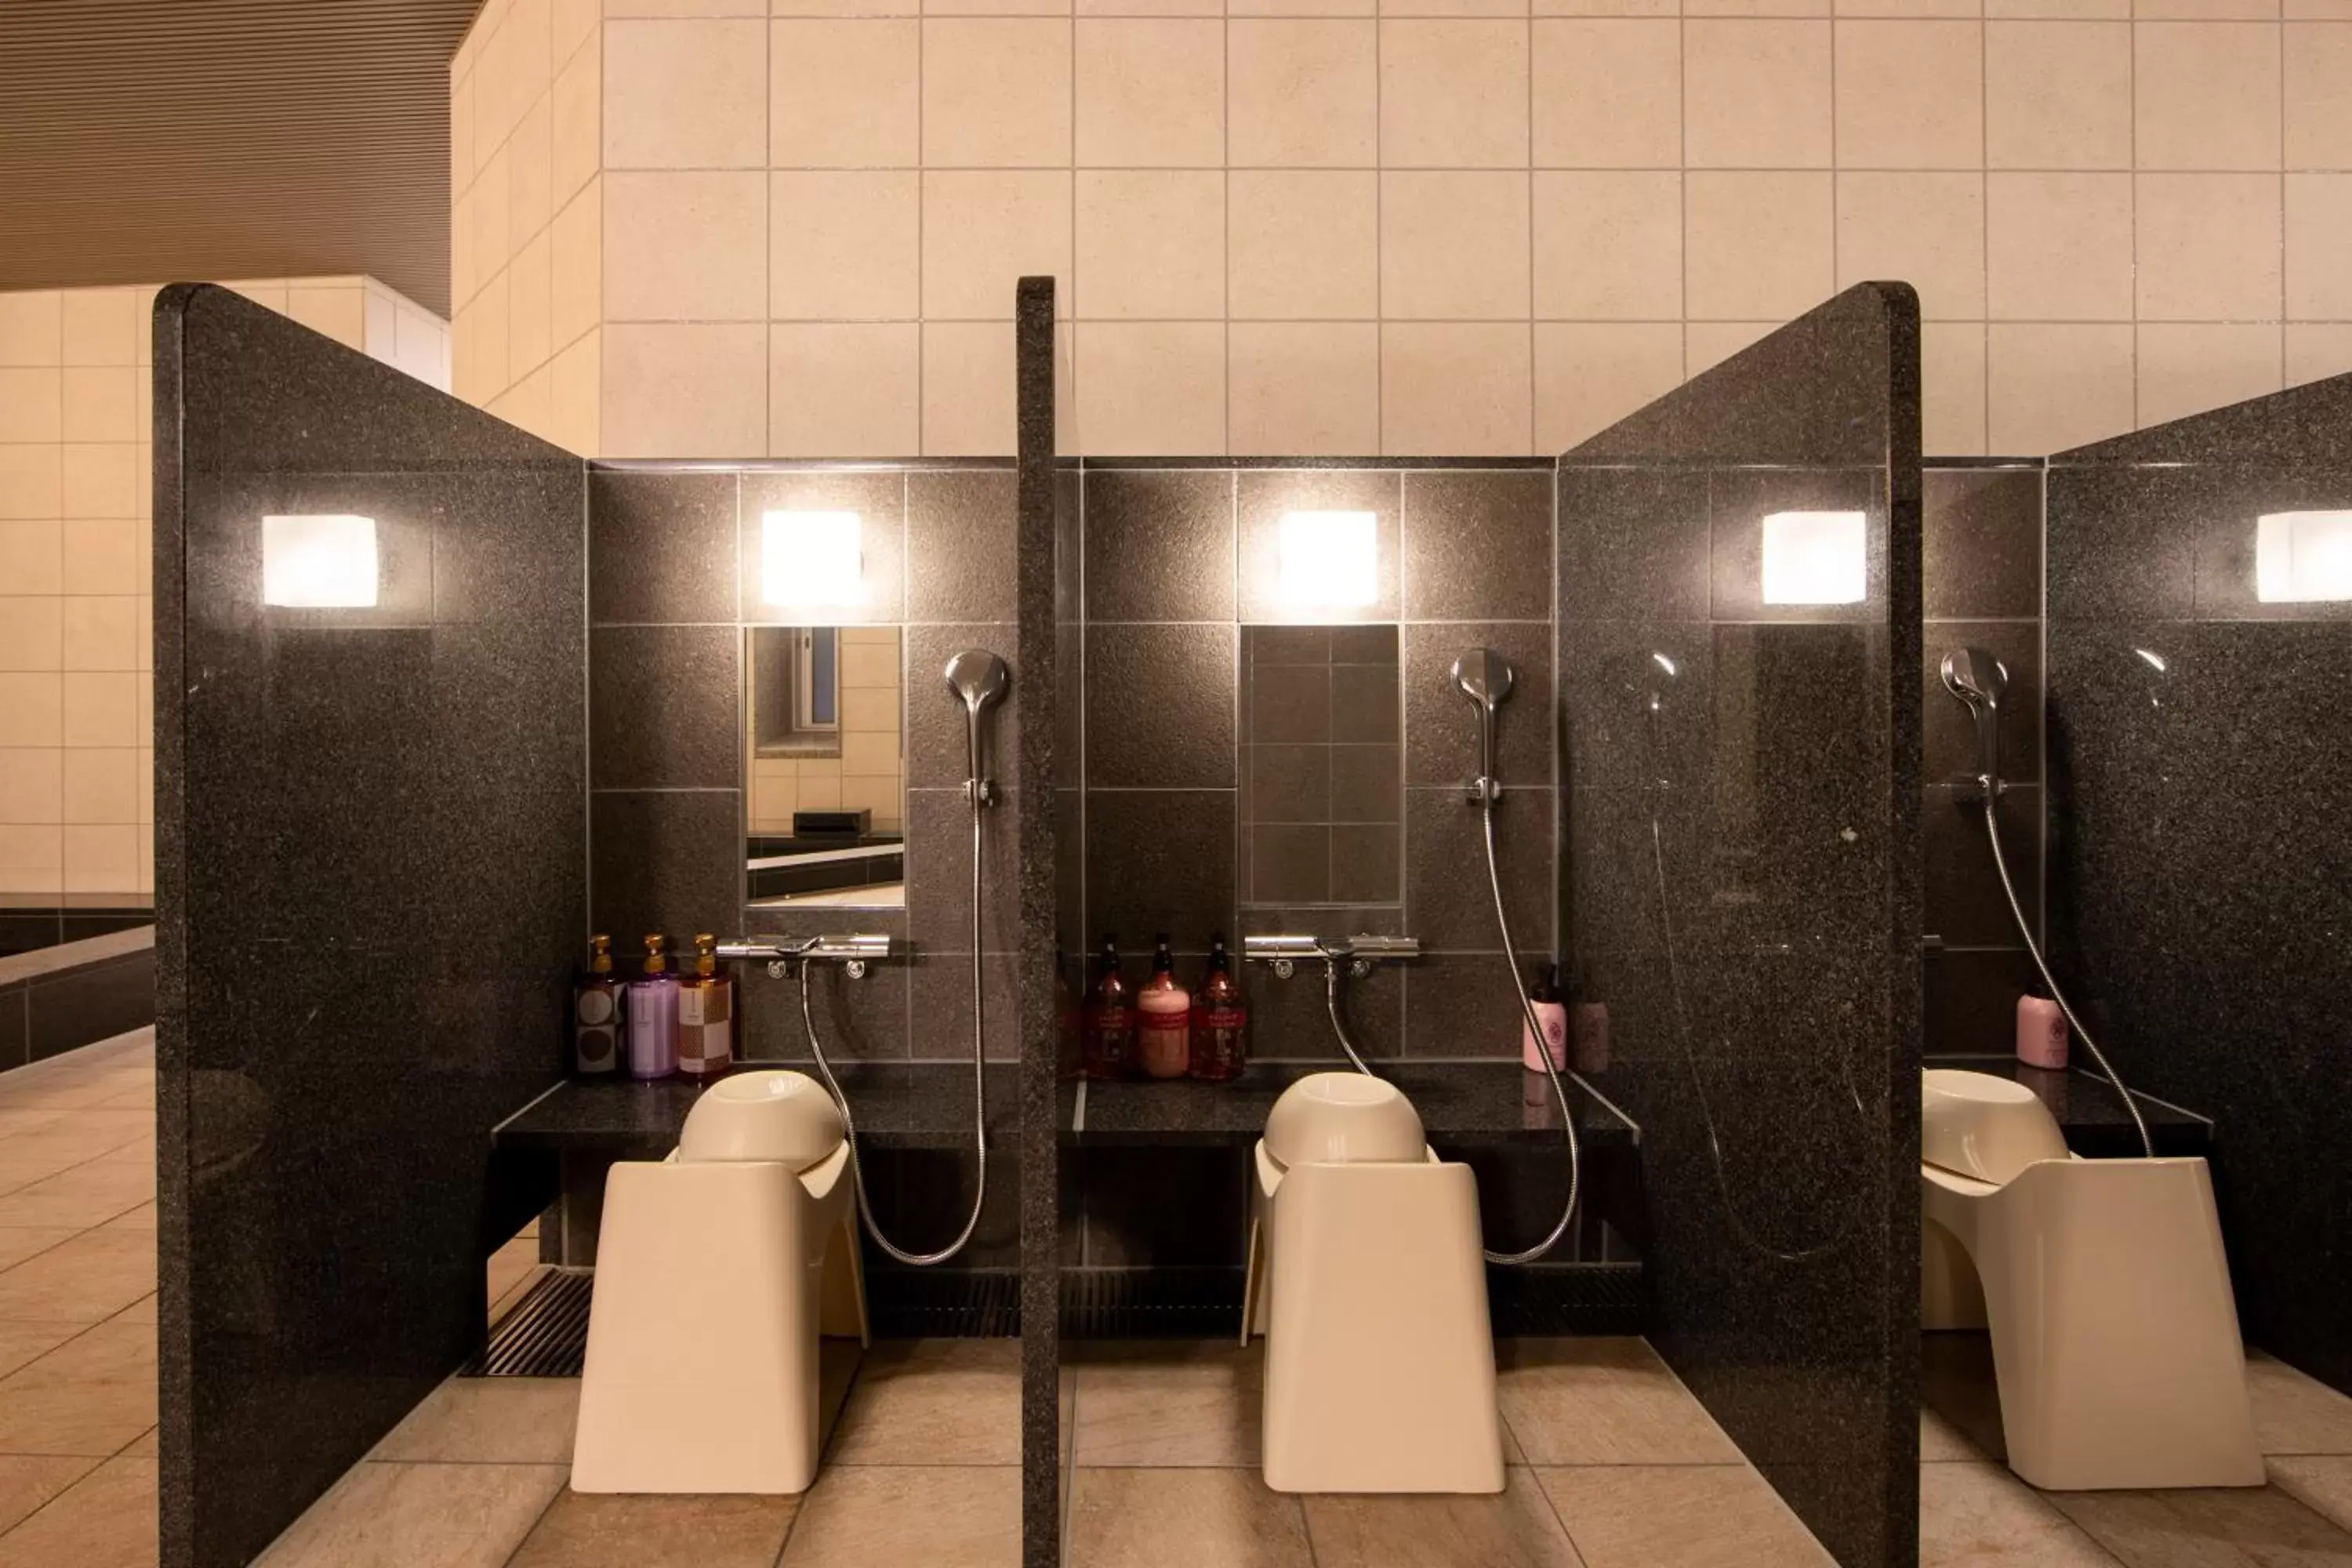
(825, 769)
(1322, 775)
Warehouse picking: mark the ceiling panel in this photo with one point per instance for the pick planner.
(148, 140)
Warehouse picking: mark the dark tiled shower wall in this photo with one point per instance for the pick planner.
(2202, 886)
(673, 574)
(1177, 566)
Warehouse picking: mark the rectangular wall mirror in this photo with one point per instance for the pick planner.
(1322, 774)
(824, 767)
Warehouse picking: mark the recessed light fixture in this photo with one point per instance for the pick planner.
(1816, 558)
(318, 562)
(809, 559)
(2303, 557)
(1329, 560)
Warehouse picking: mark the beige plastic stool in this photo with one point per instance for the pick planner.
(2114, 1335)
(716, 1271)
(1365, 1278)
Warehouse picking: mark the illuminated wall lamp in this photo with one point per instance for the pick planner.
(2303, 557)
(1329, 560)
(318, 562)
(809, 559)
(1816, 558)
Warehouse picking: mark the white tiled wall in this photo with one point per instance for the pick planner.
(77, 756)
(1396, 226)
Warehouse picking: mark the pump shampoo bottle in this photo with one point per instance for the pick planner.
(653, 1015)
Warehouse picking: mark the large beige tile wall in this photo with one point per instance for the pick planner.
(1383, 226)
(77, 754)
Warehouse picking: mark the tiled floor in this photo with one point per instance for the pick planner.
(1612, 1462)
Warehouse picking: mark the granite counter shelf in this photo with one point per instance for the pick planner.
(2089, 1112)
(898, 1105)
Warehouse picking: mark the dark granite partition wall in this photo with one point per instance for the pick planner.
(1742, 888)
(370, 830)
(2200, 884)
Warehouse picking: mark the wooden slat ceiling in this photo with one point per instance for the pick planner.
(147, 141)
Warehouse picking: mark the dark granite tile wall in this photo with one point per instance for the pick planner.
(2199, 870)
(1742, 879)
(370, 893)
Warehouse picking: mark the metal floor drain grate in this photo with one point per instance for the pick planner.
(546, 1335)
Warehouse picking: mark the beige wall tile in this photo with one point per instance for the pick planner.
(1453, 94)
(2318, 249)
(529, 174)
(1608, 94)
(570, 23)
(983, 230)
(2207, 10)
(2209, 248)
(32, 859)
(1609, 246)
(968, 389)
(463, 278)
(493, 211)
(2318, 10)
(685, 246)
(1296, 7)
(2319, 95)
(99, 632)
(1151, 244)
(100, 785)
(1590, 374)
(530, 49)
(576, 123)
(529, 307)
(1304, 244)
(1758, 245)
(844, 245)
(2315, 352)
(1302, 93)
(31, 709)
(855, 8)
(269, 293)
(1910, 95)
(1706, 345)
(32, 404)
(490, 340)
(32, 557)
(2206, 95)
(1453, 245)
(104, 326)
(1151, 387)
(575, 390)
(30, 481)
(576, 264)
(845, 94)
(2058, 247)
(844, 390)
(2188, 368)
(686, 94)
(1928, 229)
(105, 555)
(101, 480)
(685, 391)
(1150, 93)
(29, 635)
(32, 327)
(1756, 94)
(31, 786)
(339, 313)
(996, 93)
(1312, 388)
(2058, 95)
(102, 707)
(1952, 389)
(1456, 388)
(2052, 386)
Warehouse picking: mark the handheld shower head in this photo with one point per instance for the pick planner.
(979, 679)
(1485, 678)
(1981, 681)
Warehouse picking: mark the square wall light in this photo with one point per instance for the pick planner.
(1816, 558)
(2303, 557)
(811, 558)
(318, 562)
(1328, 560)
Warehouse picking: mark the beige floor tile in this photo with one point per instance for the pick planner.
(28, 1481)
(2319, 1481)
(837, 1361)
(93, 1395)
(931, 1402)
(582, 1531)
(1980, 1516)
(1515, 1529)
(489, 1420)
(2251, 1526)
(1678, 1516)
(2294, 1412)
(84, 1280)
(89, 1193)
(19, 1242)
(1940, 1441)
(1183, 1517)
(1603, 1402)
(406, 1516)
(106, 1519)
(1169, 1402)
(860, 1516)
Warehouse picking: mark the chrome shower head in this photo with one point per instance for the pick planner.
(979, 680)
(1484, 676)
(1981, 681)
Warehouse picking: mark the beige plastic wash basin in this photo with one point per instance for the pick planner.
(1982, 1126)
(1342, 1118)
(786, 1117)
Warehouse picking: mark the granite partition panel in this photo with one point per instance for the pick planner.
(370, 886)
(2200, 877)
(1741, 885)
